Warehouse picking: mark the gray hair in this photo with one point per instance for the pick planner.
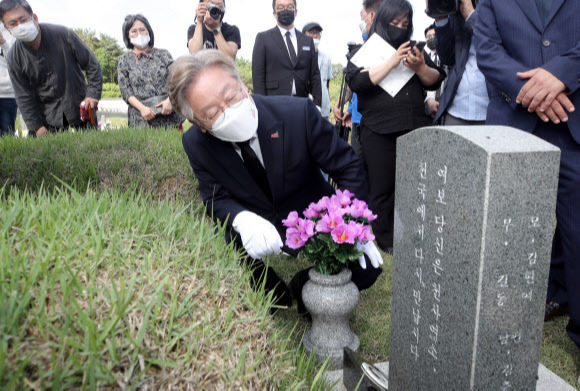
(186, 71)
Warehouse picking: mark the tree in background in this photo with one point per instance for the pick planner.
(107, 51)
(245, 69)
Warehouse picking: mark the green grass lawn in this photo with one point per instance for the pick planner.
(117, 279)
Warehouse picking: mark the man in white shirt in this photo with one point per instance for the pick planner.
(314, 31)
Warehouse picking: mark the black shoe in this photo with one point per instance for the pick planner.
(554, 310)
(282, 295)
(295, 286)
(266, 275)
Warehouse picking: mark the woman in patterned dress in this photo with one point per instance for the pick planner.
(142, 75)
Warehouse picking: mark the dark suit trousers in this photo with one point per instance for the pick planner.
(564, 281)
(379, 156)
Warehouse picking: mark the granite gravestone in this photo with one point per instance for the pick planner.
(474, 219)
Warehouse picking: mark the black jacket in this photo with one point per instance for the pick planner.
(272, 70)
(49, 83)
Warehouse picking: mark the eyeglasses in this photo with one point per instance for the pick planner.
(232, 98)
(281, 8)
(19, 21)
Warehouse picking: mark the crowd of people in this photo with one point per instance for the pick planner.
(259, 154)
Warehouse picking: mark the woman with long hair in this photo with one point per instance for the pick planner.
(386, 117)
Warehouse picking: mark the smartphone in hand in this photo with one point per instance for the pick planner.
(421, 45)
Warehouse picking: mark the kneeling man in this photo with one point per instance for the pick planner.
(257, 158)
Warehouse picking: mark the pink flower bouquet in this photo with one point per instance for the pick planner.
(330, 231)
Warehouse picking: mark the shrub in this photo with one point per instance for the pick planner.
(111, 90)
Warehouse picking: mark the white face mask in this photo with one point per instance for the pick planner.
(363, 27)
(238, 123)
(316, 43)
(25, 32)
(141, 41)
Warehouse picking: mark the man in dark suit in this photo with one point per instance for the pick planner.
(284, 61)
(258, 158)
(529, 52)
(464, 99)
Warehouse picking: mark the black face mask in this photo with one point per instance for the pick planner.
(286, 17)
(432, 43)
(397, 35)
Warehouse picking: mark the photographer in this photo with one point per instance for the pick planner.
(464, 100)
(210, 32)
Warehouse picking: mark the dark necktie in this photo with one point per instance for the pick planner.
(255, 168)
(290, 48)
(543, 9)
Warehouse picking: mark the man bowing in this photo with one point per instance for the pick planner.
(257, 158)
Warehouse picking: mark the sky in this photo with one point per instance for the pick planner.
(171, 18)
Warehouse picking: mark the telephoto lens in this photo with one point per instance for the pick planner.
(214, 11)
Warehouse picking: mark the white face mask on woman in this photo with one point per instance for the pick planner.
(363, 27)
(237, 123)
(141, 41)
(25, 32)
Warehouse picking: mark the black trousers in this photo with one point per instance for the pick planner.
(380, 155)
(564, 281)
(355, 139)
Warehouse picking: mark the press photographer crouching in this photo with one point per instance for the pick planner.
(211, 32)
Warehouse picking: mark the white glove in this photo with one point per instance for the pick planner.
(259, 236)
(372, 252)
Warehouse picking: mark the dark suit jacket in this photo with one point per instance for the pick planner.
(453, 42)
(296, 143)
(273, 72)
(510, 37)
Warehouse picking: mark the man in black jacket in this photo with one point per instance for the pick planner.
(284, 61)
(258, 158)
(46, 67)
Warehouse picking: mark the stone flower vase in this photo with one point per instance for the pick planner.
(330, 300)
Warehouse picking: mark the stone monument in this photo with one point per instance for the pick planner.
(474, 219)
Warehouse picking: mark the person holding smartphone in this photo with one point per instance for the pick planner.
(386, 117)
(211, 32)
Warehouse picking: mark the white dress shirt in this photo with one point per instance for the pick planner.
(295, 43)
(471, 100)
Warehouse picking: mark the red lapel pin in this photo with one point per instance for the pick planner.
(275, 135)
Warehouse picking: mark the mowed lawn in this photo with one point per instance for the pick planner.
(111, 276)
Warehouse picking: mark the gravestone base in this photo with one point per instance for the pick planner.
(547, 380)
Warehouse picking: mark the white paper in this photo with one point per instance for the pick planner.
(377, 51)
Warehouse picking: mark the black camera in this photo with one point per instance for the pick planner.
(214, 11)
(352, 47)
(440, 8)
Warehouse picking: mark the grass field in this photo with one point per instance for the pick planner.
(112, 277)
